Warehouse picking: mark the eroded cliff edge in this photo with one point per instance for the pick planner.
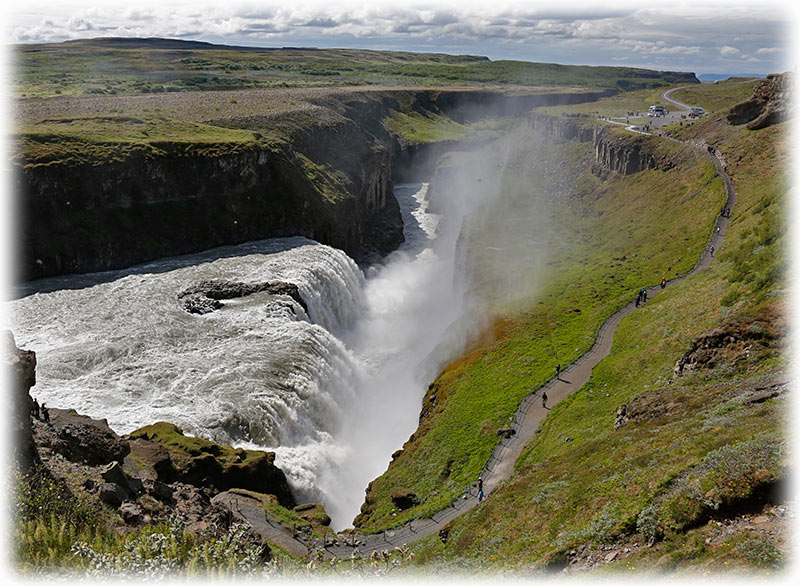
(325, 172)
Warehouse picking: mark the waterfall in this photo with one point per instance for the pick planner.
(333, 390)
(260, 370)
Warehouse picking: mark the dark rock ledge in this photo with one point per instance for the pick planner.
(205, 296)
(151, 474)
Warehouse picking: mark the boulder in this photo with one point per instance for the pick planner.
(149, 460)
(131, 513)
(506, 433)
(200, 304)
(82, 439)
(403, 498)
(158, 490)
(314, 513)
(112, 494)
(115, 474)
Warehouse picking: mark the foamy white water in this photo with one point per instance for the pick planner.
(334, 392)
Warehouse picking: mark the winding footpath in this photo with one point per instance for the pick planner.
(525, 423)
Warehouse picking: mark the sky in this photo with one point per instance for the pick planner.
(704, 36)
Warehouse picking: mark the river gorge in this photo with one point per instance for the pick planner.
(333, 389)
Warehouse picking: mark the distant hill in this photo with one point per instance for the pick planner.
(724, 76)
(147, 65)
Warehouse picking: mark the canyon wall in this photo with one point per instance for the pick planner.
(329, 178)
(625, 155)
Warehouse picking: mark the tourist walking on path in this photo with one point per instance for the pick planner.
(544, 399)
(480, 489)
(558, 371)
(663, 282)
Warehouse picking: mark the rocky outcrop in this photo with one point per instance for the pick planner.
(314, 513)
(628, 155)
(613, 153)
(206, 296)
(770, 103)
(739, 343)
(20, 375)
(205, 464)
(81, 439)
(145, 478)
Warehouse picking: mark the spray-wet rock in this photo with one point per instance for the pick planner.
(204, 297)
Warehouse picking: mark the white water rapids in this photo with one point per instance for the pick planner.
(333, 392)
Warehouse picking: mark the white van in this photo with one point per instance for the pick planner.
(656, 111)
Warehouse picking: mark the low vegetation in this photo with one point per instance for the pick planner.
(55, 531)
(584, 249)
(108, 139)
(677, 488)
(715, 98)
(148, 66)
(703, 446)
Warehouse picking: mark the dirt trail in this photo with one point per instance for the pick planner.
(528, 416)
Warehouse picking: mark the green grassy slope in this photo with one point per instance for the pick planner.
(583, 250)
(703, 445)
(713, 98)
(124, 66)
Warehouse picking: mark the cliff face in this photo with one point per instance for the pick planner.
(770, 103)
(625, 156)
(85, 218)
(329, 179)
(20, 376)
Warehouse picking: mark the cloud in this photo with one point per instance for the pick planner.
(581, 32)
(80, 24)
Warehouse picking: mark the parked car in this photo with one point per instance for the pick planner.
(656, 111)
(696, 112)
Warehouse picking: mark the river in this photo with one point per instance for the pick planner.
(333, 390)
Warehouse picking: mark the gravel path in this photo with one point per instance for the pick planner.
(529, 414)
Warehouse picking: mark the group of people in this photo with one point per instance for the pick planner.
(641, 297)
(40, 412)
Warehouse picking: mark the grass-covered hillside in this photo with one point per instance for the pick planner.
(556, 253)
(645, 467)
(132, 66)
